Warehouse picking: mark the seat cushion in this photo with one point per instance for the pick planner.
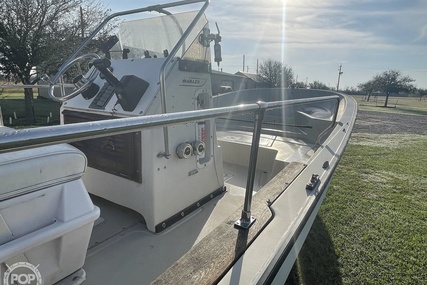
(33, 169)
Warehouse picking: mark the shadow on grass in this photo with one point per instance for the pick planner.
(317, 261)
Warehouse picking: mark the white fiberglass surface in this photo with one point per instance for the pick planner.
(122, 243)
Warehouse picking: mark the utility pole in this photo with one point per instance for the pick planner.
(339, 77)
(247, 68)
(82, 22)
(243, 69)
(257, 66)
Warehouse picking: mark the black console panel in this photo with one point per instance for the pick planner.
(119, 155)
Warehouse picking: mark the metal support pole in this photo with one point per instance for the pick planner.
(1, 118)
(247, 219)
(339, 77)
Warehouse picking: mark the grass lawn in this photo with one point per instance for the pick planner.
(372, 226)
(399, 105)
(12, 105)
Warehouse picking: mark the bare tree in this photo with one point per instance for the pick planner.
(392, 81)
(39, 34)
(276, 74)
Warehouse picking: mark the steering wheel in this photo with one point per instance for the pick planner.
(81, 82)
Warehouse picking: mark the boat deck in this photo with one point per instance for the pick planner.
(122, 246)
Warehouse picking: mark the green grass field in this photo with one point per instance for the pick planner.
(13, 109)
(399, 105)
(372, 226)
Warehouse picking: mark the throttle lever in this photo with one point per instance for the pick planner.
(103, 65)
(129, 89)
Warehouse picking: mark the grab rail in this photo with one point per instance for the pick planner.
(44, 136)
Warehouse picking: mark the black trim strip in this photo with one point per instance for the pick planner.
(181, 214)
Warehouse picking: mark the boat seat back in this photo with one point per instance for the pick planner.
(46, 214)
(30, 170)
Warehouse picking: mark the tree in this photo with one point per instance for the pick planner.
(422, 92)
(318, 85)
(392, 81)
(367, 87)
(37, 35)
(276, 74)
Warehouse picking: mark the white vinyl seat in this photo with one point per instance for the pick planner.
(46, 214)
(30, 170)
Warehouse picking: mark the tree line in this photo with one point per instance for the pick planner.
(42, 33)
(276, 74)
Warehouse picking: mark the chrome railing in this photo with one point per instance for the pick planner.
(13, 140)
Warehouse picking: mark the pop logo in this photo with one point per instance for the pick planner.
(22, 273)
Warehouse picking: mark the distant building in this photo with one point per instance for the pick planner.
(255, 78)
(223, 82)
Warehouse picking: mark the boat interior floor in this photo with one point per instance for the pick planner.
(121, 245)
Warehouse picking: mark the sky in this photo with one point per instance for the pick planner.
(366, 37)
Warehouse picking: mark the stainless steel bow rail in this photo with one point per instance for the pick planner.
(30, 138)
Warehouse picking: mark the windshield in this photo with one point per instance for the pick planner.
(156, 37)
